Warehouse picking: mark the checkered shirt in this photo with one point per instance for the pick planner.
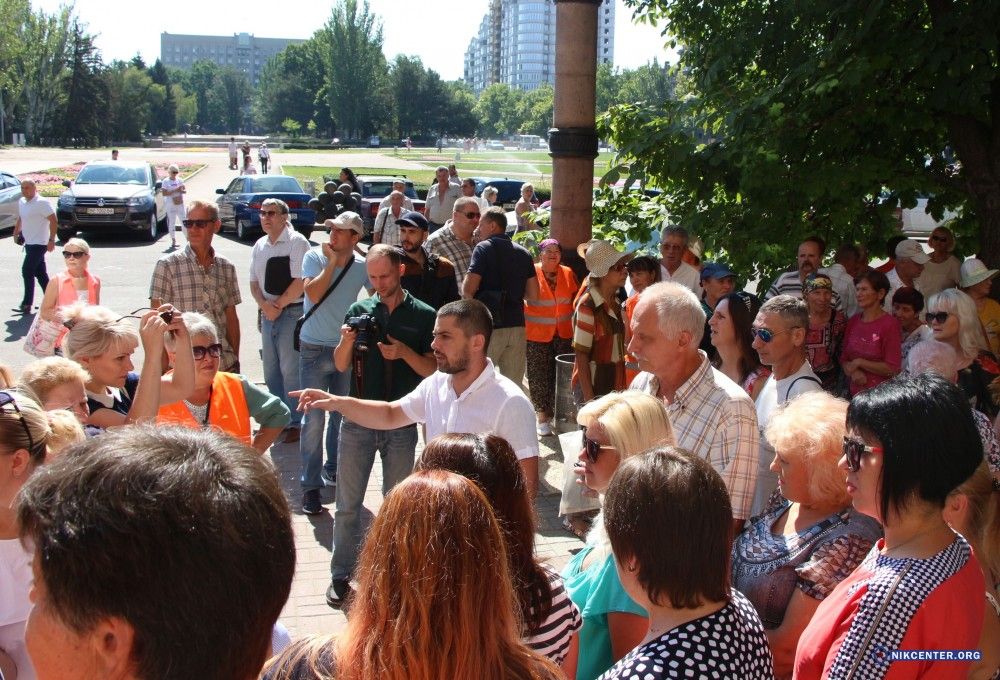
(714, 418)
(443, 242)
(178, 279)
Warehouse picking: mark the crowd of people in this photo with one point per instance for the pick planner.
(803, 484)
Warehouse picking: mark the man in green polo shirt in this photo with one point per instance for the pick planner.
(397, 330)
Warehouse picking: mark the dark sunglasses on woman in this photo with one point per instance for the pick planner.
(854, 449)
(214, 351)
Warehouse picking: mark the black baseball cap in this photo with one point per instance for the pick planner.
(412, 218)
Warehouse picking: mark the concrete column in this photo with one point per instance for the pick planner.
(573, 139)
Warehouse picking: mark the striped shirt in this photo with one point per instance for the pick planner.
(552, 638)
(714, 418)
(443, 242)
(598, 330)
(789, 283)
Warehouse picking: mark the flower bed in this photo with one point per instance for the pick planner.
(50, 181)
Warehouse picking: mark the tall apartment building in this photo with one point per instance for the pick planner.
(243, 51)
(516, 44)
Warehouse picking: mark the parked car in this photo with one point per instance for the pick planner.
(508, 190)
(376, 187)
(115, 194)
(494, 145)
(10, 194)
(239, 203)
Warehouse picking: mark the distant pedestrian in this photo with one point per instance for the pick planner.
(114, 154)
(248, 167)
(264, 156)
(173, 192)
(35, 228)
(233, 150)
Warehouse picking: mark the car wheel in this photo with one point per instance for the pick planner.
(151, 230)
(65, 233)
(242, 229)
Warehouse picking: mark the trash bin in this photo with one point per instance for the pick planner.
(564, 418)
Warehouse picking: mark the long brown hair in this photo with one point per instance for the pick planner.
(434, 599)
(490, 462)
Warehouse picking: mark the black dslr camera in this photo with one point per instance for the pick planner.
(367, 329)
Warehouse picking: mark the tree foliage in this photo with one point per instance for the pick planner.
(820, 116)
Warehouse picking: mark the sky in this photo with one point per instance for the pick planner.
(438, 31)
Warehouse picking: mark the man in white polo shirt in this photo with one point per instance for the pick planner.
(36, 224)
(465, 394)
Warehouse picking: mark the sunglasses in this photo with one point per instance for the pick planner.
(767, 335)
(470, 215)
(617, 267)
(73, 254)
(214, 351)
(591, 448)
(7, 399)
(940, 317)
(270, 212)
(167, 316)
(201, 224)
(854, 449)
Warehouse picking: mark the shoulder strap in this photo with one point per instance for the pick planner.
(329, 290)
(801, 377)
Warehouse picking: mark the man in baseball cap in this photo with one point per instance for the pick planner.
(910, 261)
(429, 277)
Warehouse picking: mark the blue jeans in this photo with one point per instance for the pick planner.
(281, 361)
(353, 470)
(32, 269)
(316, 370)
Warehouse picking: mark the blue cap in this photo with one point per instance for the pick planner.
(412, 218)
(716, 270)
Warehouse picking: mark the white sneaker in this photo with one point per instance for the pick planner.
(544, 429)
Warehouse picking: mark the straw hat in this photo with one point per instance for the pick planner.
(601, 256)
(975, 271)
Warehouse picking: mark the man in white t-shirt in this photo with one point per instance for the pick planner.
(673, 243)
(36, 224)
(173, 199)
(780, 340)
(466, 393)
(910, 261)
(400, 186)
(233, 151)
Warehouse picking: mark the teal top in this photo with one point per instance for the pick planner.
(597, 592)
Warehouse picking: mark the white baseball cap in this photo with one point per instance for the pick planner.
(908, 249)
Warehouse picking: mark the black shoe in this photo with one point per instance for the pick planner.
(22, 309)
(339, 592)
(328, 479)
(311, 504)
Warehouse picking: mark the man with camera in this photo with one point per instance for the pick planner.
(386, 339)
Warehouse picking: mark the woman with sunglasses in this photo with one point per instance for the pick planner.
(952, 317)
(225, 401)
(943, 269)
(872, 349)
(103, 343)
(24, 437)
(75, 285)
(910, 442)
(793, 555)
(826, 331)
(615, 427)
(731, 332)
(550, 620)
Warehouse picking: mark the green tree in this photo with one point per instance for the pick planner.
(83, 119)
(187, 106)
(800, 116)
(537, 111)
(462, 119)
(133, 97)
(44, 67)
(202, 81)
(14, 18)
(500, 109)
(165, 115)
(408, 77)
(608, 83)
(233, 92)
(288, 86)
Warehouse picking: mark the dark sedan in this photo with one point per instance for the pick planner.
(508, 190)
(239, 203)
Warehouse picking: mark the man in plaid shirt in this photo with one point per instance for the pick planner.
(711, 415)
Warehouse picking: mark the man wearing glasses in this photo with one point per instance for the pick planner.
(453, 241)
(711, 415)
(276, 287)
(779, 337)
(196, 279)
(673, 243)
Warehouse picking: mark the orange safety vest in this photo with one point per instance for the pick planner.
(552, 312)
(227, 409)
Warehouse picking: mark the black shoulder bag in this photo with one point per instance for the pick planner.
(302, 319)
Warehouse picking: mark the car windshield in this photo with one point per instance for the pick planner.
(383, 189)
(111, 174)
(275, 184)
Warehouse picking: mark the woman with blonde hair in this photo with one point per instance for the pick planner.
(434, 599)
(24, 440)
(58, 384)
(789, 558)
(76, 284)
(103, 342)
(615, 427)
(942, 271)
(954, 320)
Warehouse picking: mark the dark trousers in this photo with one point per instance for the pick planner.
(33, 269)
(263, 165)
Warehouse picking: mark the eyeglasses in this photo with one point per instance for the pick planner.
(73, 254)
(767, 335)
(270, 212)
(854, 449)
(470, 215)
(201, 224)
(6, 398)
(167, 316)
(591, 448)
(214, 351)
(940, 317)
(617, 267)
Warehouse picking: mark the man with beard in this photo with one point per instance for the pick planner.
(426, 276)
(810, 259)
(466, 393)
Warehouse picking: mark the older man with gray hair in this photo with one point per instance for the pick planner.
(400, 186)
(441, 199)
(384, 229)
(673, 243)
(711, 415)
